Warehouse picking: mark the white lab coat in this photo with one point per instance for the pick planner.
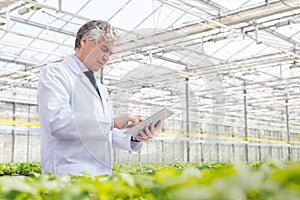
(76, 125)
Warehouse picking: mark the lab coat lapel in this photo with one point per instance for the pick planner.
(105, 101)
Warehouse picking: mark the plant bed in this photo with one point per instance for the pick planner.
(164, 181)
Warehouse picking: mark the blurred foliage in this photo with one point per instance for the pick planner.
(19, 168)
(222, 181)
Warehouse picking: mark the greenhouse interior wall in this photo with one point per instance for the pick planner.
(203, 142)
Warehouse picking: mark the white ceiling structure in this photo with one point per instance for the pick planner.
(222, 50)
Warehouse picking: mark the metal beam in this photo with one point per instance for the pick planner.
(229, 20)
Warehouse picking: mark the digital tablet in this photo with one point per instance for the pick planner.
(160, 115)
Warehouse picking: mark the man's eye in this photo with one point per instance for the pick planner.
(104, 48)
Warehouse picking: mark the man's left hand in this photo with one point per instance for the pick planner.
(148, 132)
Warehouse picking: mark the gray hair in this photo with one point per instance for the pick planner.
(94, 30)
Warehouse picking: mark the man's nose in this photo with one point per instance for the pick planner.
(106, 57)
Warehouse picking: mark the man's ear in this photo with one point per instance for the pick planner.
(84, 41)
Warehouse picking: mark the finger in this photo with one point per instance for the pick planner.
(131, 120)
(140, 138)
(135, 119)
(130, 125)
(146, 134)
(157, 124)
(142, 135)
(139, 118)
(152, 129)
(149, 131)
(137, 138)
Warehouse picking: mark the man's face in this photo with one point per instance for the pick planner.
(98, 54)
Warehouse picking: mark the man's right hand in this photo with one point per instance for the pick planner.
(126, 121)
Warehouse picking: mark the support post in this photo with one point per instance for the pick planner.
(187, 119)
(288, 128)
(246, 125)
(28, 133)
(13, 134)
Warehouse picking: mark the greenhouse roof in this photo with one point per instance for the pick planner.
(218, 54)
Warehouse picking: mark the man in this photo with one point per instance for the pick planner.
(77, 125)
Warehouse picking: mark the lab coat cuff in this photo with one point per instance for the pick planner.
(136, 146)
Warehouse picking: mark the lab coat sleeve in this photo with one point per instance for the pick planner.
(123, 141)
(54, 102)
